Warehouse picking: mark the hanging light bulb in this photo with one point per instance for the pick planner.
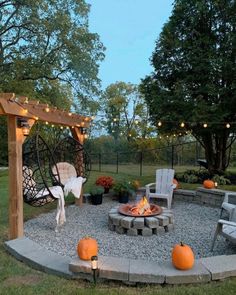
(159, 124)
(47, 110)
(182, 124)
(205, 125)
(227, 125)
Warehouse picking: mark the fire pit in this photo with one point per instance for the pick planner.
(141, 218)
(140, 209)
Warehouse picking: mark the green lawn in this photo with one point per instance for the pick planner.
(17, 278)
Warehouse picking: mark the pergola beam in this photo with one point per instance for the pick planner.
(31, 109)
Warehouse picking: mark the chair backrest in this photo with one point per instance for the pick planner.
(65, 170)
(164, 180)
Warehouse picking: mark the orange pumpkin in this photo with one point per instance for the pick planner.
(208, 184)
(175, 181)
(86, 248)
(182, 257)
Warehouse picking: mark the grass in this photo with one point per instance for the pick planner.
(18, 278)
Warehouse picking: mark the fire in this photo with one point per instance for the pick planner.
(141, 208)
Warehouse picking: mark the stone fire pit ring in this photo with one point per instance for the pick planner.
(145, 226)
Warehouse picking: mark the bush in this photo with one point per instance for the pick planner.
(221, 180)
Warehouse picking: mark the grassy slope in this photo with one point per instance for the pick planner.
(17, 278)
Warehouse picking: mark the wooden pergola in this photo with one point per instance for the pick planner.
(19, 107)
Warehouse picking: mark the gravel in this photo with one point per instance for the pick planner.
(194, 225)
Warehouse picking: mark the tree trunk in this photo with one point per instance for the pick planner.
(217, 152)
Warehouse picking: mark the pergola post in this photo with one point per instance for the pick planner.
(15, 141)
(76, 133)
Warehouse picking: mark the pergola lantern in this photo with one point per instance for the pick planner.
(21, 115)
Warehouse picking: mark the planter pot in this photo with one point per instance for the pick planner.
(106, 190)
(124, 198)
(96, 199)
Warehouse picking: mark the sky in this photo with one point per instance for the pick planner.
(128, 29)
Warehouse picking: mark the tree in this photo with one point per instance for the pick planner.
(48, 53)
(194, 76)
(46, 45)
(126, 111)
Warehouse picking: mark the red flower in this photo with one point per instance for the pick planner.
(105, 181)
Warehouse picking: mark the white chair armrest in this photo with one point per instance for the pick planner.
(148, 186)
(226, 222)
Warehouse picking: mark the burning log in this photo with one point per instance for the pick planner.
(141, 208)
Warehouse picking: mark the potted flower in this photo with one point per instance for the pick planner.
(96, 193)
(123, 189)
(106, 182)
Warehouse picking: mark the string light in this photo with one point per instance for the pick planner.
(205, 125)
(46, 122)
(182, 124)
(159, 124)
(227, 125)
(47, 110)
(69, 114)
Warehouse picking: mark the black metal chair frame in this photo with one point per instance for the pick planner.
(40, 170)
(37, 177)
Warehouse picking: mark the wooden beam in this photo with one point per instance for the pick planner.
(15, 140)
(25, 108)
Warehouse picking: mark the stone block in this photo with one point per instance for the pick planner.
(220, 267)
(169, 227)
(127, 222)
(119, 229)
(146, 232)
(132, 232)
(158, 230)
(116, 218)
(198, 274)
(151, 222)
(163, 220)
(170, 216)
(138, 223)
(114, 268)
(80, 266)
(145, 272)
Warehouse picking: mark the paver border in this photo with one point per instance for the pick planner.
(126, 270)
(129, 271)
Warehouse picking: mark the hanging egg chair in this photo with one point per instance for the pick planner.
(71, 160)
(40, 185)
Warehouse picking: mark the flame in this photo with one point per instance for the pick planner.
(142, 207)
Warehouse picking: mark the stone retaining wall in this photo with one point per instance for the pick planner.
(211, 197)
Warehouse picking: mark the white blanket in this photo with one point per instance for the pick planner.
(58, 193)
(74, 185)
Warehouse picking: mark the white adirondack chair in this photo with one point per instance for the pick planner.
(229, 204)
(163, 187)
(226, 228)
